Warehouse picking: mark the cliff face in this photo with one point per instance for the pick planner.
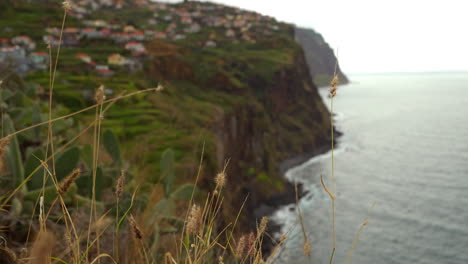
(286, 119)
(265, 110)
(319, 56)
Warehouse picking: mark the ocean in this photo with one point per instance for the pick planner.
(402, 161)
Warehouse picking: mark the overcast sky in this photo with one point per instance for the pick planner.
(381, 35)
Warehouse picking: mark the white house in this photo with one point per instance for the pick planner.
(39, 60)
(136, 48)
(186, 20)
(210, 44)
(25, 42)
(194, 28)
(230, 33)
(49, 39)
(90, 33)
(104, 71)
(179, 37)
(53, 31)
(137, 35)
(84, 57)
(13, 52)
(160, 35)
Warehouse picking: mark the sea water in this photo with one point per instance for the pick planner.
(402, 161)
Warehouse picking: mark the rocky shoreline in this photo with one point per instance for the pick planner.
(269, 207)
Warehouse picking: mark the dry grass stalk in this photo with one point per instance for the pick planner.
(262, 227)
(251, 244)
(3, 146)
(69, 180)
(136, 231)
(240, 249)
(41, 212)
(194, 223)
(276, 250)
(159, 88)
(301, 220)
(307, 248)
(67, 6)
(356, 238)
(100, 95)
(168, 259)
(334, 84)
(326, 189)
(220, 180)
(9, 255)
(42, 248)
(120, 184)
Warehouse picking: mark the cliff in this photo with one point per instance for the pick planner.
(259, 118)
(288, 119)
(320, 56)
(246, 100)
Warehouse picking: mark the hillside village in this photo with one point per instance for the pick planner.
(196, 24)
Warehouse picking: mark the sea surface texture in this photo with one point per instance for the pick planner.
(404, 149)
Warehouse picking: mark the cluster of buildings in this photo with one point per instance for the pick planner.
(113, 60)
(19, 54)
(72, 37)
(229, 24)
(176, 22)
(215, 25)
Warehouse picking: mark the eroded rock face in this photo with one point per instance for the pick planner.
(319, 56)
(287, 120)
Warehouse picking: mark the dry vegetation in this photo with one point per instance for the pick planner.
(63, 233)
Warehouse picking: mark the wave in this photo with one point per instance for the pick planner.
(293, 171)
(286, 216)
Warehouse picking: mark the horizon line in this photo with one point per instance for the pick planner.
(407, 72)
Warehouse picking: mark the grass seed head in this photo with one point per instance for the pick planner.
(220, 180)
(159, 88)
(334, 83)
(67, 6)
(366, 222)
(194, 222)
(3, 146)
(100, 95)
(251, 244)
(307, 248)
(120, 184)
(263, 225)
(168, 259)
(241, 245)
(136, 231)
(9, 256)
(69, 180)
